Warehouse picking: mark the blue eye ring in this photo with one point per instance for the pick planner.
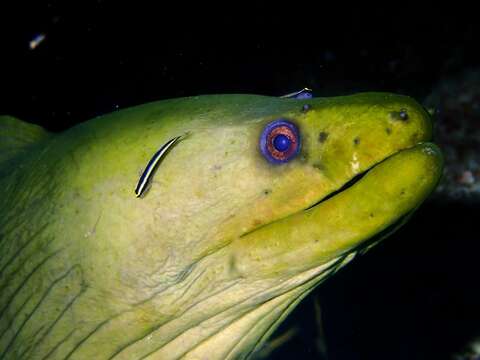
(280, 141)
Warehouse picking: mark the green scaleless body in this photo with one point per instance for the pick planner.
(221, 247)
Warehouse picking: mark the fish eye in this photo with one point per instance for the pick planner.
(280, 141)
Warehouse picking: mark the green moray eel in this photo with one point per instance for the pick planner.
(222, 245)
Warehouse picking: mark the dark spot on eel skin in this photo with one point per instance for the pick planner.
(267, 192)
(306, 108)
(371, 215)
(318, 166)
(356, 141)
(388, 130)
(256, 222)
(322, 136)
(304, 157)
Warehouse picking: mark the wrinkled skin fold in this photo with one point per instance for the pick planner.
(221, 247)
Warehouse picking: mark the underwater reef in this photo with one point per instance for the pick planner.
(456, 104)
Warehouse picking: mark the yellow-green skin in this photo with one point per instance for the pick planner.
(223, 245)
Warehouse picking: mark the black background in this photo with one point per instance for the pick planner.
(415, 296)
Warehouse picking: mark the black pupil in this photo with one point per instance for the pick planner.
(281, 142)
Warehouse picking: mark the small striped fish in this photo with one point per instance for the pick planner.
(152, 165)
(305, 93)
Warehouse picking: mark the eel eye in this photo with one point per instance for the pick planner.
(280, 141)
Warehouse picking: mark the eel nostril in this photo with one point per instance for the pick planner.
(401, 115)
(306, 107)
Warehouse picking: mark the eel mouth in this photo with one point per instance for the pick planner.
(391, 228)
(362, 212)
(382, 234)
(344, 187)
(356, 179)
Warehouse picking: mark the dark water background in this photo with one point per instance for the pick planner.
(416, 296)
